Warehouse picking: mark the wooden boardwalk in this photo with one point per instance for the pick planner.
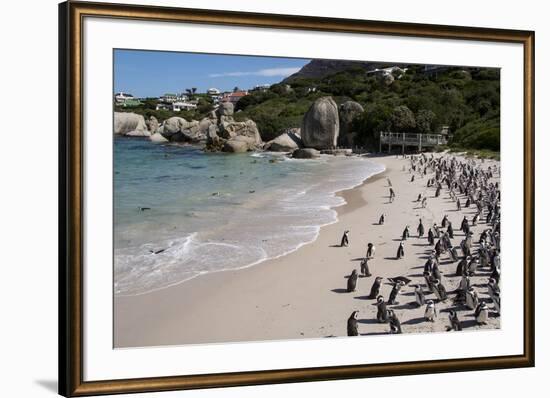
(411, 139)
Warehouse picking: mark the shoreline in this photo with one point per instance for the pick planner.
(299, 294)
(334, 208)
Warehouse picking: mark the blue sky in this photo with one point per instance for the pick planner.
(153, 73)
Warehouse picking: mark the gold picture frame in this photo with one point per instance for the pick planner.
(71, 16)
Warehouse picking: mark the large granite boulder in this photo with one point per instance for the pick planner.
(235, 146)
(321, 124)
(173, 126)
(152, 124)
(225, 109)
(235, 129)
(349, 110)
(130, 124)
(177, 129)
(286, 142)
(306, 153)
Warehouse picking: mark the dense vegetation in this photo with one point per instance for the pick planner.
(466, 100)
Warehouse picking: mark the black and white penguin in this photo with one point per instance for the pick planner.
(472, 266)
(400, 251)
(365, 267)
(420, 229)
(429, 264)
(382, 313)
(444, 221)
(464, 225)
(481, 313)
(382, 219)
(345, 239)
(375, 288)
(395, 324)
(431, 237)
(492, 288)
(406, 233)
(455, 322)
(450, 230)
(439, 290)
(496, 303)
(429, 280)
(370, 250)
(419, 296)
(431, 312)
(392, 195)
(472, 299)
(458, 205)
(397, 286)
(352, 281)
(352, 324)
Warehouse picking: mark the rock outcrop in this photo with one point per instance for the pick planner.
(349, 110)
(306, 153)
(221, 129)
(131, 124)
(235, 146)
(321, 124)
(177, 129)
(152, 125)
(286, 142)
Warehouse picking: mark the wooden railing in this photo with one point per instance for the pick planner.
(411, 139)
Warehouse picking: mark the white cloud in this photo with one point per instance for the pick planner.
(261, 72)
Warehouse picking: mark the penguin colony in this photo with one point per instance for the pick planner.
(473, 189)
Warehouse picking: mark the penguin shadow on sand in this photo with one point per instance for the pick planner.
(374, 334)
(368, 321)
(414, 321)
(366, 297)
(405, 306)
(339, 290)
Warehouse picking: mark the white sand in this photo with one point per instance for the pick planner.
(303, 293)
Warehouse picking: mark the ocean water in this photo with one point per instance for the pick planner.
(214, 211)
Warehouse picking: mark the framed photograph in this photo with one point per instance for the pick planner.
(253, 199)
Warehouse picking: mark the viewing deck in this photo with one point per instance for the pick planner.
(411, 139)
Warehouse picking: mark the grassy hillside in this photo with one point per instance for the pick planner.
(467, 100)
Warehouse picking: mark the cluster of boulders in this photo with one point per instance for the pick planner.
(219, 131)
(325, 128)
(227, 135)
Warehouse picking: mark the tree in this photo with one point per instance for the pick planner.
(402, 119)
(424, 121)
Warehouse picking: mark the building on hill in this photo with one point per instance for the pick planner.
(261, 87)
(122, 97)
(169, 98)
(234, 97)
(183, 106)
(213, 91)
(126, 100)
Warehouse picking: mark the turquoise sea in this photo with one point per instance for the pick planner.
(213, 211)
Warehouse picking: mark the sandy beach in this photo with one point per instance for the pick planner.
(303, 294)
